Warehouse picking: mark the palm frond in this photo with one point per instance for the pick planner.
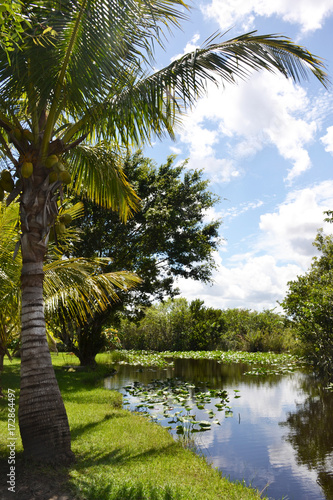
(80, 287)
(98, 175)
(152, 104)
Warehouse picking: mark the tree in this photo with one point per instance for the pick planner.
(309, 302)
(166, 238)
(71, 101)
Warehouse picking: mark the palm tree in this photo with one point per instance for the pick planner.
(81, 85)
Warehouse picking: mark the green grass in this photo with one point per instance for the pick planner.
(120, 455)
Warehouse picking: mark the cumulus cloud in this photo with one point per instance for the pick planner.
(310, 15)
(219, 170)
(266, 110)
(282, 251)
(288, 233)
(175, 150)
(254, 283)
(327, 140)
(189, 47)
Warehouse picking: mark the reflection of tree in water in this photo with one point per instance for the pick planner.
(311, 435)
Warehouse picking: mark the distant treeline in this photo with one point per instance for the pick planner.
(177, 325)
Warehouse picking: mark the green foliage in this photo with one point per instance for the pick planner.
(73, 287)
(12, 25)
(257, 331)
(309, 302)
(166, 238)
(176, 325)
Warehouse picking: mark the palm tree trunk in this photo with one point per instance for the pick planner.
(42, 416)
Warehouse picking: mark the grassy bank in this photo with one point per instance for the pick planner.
(119, 455)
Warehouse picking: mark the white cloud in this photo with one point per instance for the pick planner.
(263, 111)
(327, 140)
(255, 283)
(231, 213)
(288, 233)
(309, 14)
(283, 250)
(175, 150)
(219, 170)
(189, 47)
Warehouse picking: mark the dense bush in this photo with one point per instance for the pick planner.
(177, 325)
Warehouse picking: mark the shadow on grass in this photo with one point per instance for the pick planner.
(79, 380)
(79, 430)
(119, 456)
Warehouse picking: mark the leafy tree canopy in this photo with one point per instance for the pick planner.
(168, 237)
(12, 25)
(309, 302)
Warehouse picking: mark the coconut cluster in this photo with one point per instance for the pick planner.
(62, 222)
(58, 170)
(60, 225)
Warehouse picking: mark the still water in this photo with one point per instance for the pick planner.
(279, 438)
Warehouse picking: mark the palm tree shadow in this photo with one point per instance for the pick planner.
(79, 430)
(119, 456)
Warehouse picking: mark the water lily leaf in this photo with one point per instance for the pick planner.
(204, 423)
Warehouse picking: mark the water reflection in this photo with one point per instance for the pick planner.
(281, 432)
(310, 432)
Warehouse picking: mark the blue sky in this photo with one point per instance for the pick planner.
(267, 147)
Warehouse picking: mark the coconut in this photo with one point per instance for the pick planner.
(7, 185)
(60, 228)
(6, 175)
(27, 169)
(51, 161)
(28, 135)
(2, 194)
(66, 218)
(65, 177)
(51, 235)
(53, 177)
(58, 167)
(17, 133)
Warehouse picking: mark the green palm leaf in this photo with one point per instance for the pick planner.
(78, 286)
(151, 105)
(98, 175)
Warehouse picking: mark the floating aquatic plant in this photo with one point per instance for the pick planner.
(177, 401)
(265, 363)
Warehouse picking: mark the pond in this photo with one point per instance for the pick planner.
(274, 432)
